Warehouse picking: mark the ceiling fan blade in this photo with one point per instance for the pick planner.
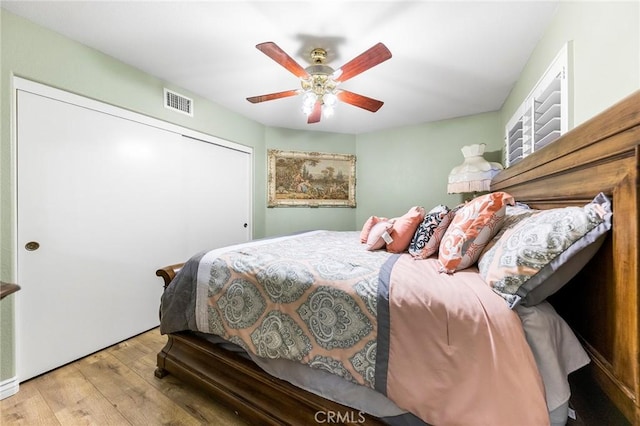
(272, 50)
(360, 101)
(272, 96)
(315, 115)
(368, 59)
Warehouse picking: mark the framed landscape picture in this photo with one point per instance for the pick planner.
(311, 179)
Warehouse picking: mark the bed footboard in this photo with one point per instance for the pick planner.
(169, 272)
(240, 384)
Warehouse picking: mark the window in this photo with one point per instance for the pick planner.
(544, 114)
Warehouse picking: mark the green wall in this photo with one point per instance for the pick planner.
(605, 65)
(409, 166)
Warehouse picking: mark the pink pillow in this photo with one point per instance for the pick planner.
(364, 234)
(376, 239)
(403, 229)
(471, 229)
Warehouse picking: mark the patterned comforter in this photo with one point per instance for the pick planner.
(447, 349)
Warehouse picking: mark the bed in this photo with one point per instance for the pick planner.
(600, 156)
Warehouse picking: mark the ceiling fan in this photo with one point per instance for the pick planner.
(320, 82)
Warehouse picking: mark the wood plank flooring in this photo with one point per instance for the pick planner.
(115, 386)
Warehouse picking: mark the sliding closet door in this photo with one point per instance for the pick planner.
(216, 196)
(103, 202)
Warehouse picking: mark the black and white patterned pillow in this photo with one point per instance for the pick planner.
(426, 239)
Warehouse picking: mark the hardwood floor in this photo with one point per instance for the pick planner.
(116, 386)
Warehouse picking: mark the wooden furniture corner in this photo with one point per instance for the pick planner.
(7, 289)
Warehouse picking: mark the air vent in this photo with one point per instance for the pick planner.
(178, 102)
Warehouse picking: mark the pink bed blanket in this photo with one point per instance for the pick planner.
(457, 354)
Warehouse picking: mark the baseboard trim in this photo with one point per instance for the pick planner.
(9, 387)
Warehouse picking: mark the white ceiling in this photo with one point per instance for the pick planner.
(450, 58)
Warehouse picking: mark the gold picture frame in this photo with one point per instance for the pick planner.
(311, 179)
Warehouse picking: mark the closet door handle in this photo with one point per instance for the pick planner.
(32, 246)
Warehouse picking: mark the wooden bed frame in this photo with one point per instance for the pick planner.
(601, 303)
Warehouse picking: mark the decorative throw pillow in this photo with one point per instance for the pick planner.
(513, 215)
(542, 252)
(366, 228)
(427, 237)
(471, 229)
(379, 235)
(403, 229)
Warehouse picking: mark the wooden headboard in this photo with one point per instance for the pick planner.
(602, 302)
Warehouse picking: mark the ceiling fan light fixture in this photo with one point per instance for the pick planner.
(309, 99)
(327, 110)
(329, 99)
